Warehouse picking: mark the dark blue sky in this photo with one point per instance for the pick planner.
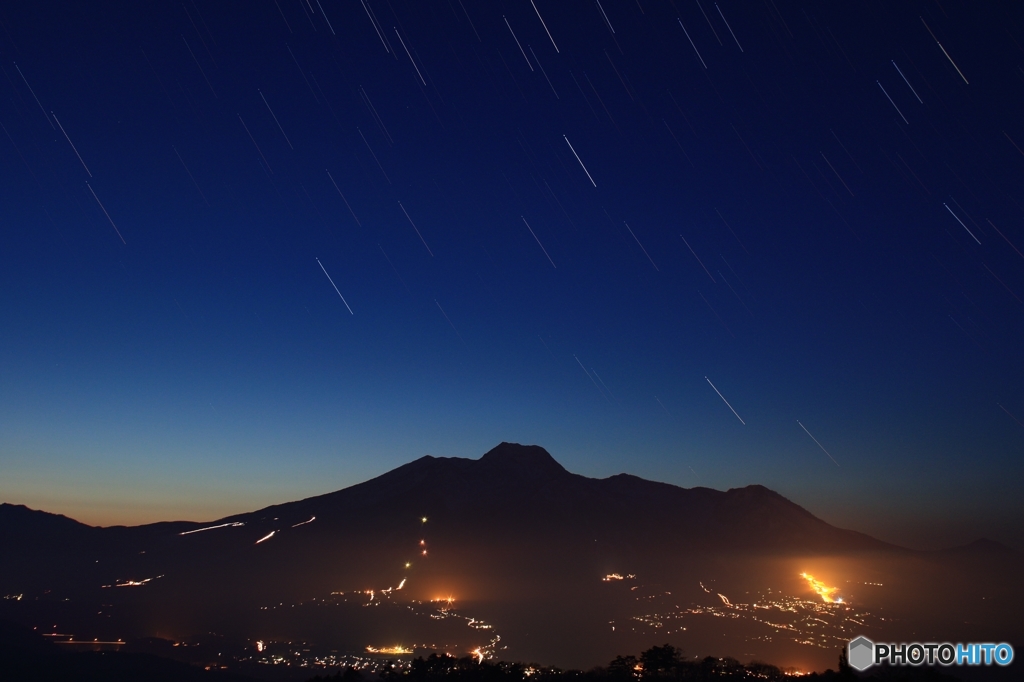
(852, 254)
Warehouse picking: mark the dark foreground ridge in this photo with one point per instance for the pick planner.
(26, 656)
(663, 663)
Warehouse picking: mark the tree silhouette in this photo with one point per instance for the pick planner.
(661, 660)
(623, 668)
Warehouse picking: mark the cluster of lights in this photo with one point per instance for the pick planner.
(812, 622)
(443, 606)
(396, 650)
(288, 655)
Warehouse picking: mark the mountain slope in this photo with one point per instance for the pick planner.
(492, 515)
(525, 490)
(513, 537)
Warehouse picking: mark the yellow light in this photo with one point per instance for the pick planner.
(423, 520)
(821, 589)
(407, 564)
(389, 650)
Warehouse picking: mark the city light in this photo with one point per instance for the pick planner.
(389, 650)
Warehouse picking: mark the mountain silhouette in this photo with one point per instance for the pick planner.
(513, 532)
(493, 513)
(514, 496)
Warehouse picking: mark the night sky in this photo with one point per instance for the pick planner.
(817, 208)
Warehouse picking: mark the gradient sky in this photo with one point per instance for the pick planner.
(206, 365)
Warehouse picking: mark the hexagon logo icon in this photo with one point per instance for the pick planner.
(860, 653)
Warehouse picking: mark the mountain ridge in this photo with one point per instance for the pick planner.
(509, 474)
(520, 477)
(525, 544)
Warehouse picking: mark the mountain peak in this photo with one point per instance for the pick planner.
(524, 459)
